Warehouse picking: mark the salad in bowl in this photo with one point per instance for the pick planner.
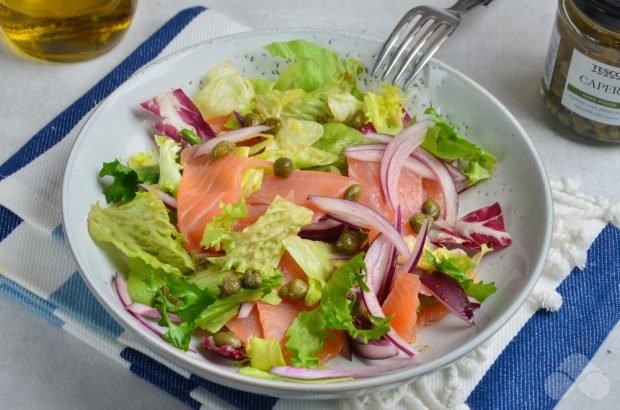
(278, 224)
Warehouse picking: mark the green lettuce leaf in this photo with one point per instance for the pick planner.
(264, 353)
(309, 330)
(143, 159)
(445, 142)
(294, 131)
(311, 68)
(459, 266)
(220, 227)
(169, 168)
(141, 229)
(336, 137)
(214, 317)
(143, 281)
(385, 110)
(226, 90)
(259, 246)
(313, 258)
(210, 278)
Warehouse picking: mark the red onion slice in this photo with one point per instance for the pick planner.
(168, 200)
(395, 155)
(377, 262)
(361, 216)
(448, 291)
(245, 310)
(150, 312)
(375, 136)
(325, 229)
(366, 371)
(418, 248)
(123, 294)
(460, 179)
(374, 349)
(374, 153)
(450, 196)
(235, 136)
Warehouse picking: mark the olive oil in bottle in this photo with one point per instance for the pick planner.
(65, 30)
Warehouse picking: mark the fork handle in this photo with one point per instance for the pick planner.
(461, 6)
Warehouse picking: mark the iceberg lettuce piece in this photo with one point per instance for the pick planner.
(313, 258)
(141, 229)
(259, 246)
(226, 90)
(169, 168)
(265, 353)
(294, 131)
(343, 106)
(385, 110)
(303, 156)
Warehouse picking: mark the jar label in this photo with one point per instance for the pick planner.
(592, 89)
(552, 55)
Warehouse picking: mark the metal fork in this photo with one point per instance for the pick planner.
(439, 23)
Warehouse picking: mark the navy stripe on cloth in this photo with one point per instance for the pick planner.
(160, 376)
(60, 126)
(180, 387)
(8, 222)
(549, 353)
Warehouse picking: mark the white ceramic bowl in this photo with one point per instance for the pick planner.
(117, 130)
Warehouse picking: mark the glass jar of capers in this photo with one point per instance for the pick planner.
(581, 81)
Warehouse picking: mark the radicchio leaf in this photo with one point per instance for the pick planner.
(224, 351)
(448, 291)
(482, 227)
(177, 112)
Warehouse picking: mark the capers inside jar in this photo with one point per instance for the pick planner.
(585, 45)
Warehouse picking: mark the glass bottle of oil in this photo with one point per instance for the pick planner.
(581, 81)
(65, 30)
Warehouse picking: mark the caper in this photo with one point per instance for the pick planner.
(348, 242)
(416, 222)
(251, 119)
(274, 123)
(230, 285)
(295, 290)
(332, 170)
(221, 149)
(226, 339)
(252, 279)
(358, 120)
(283, 167)
(353, 193)
(431, 208)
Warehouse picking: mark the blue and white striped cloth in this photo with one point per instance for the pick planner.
(530, 363)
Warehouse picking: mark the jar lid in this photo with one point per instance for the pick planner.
(606, 12)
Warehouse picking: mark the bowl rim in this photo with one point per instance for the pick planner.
(285, 388)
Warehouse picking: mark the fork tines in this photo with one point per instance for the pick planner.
(430, 27)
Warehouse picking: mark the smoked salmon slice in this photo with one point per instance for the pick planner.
(403, 302)
(204, 185)
(301, 184)
(246, 328)
(413, 190)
